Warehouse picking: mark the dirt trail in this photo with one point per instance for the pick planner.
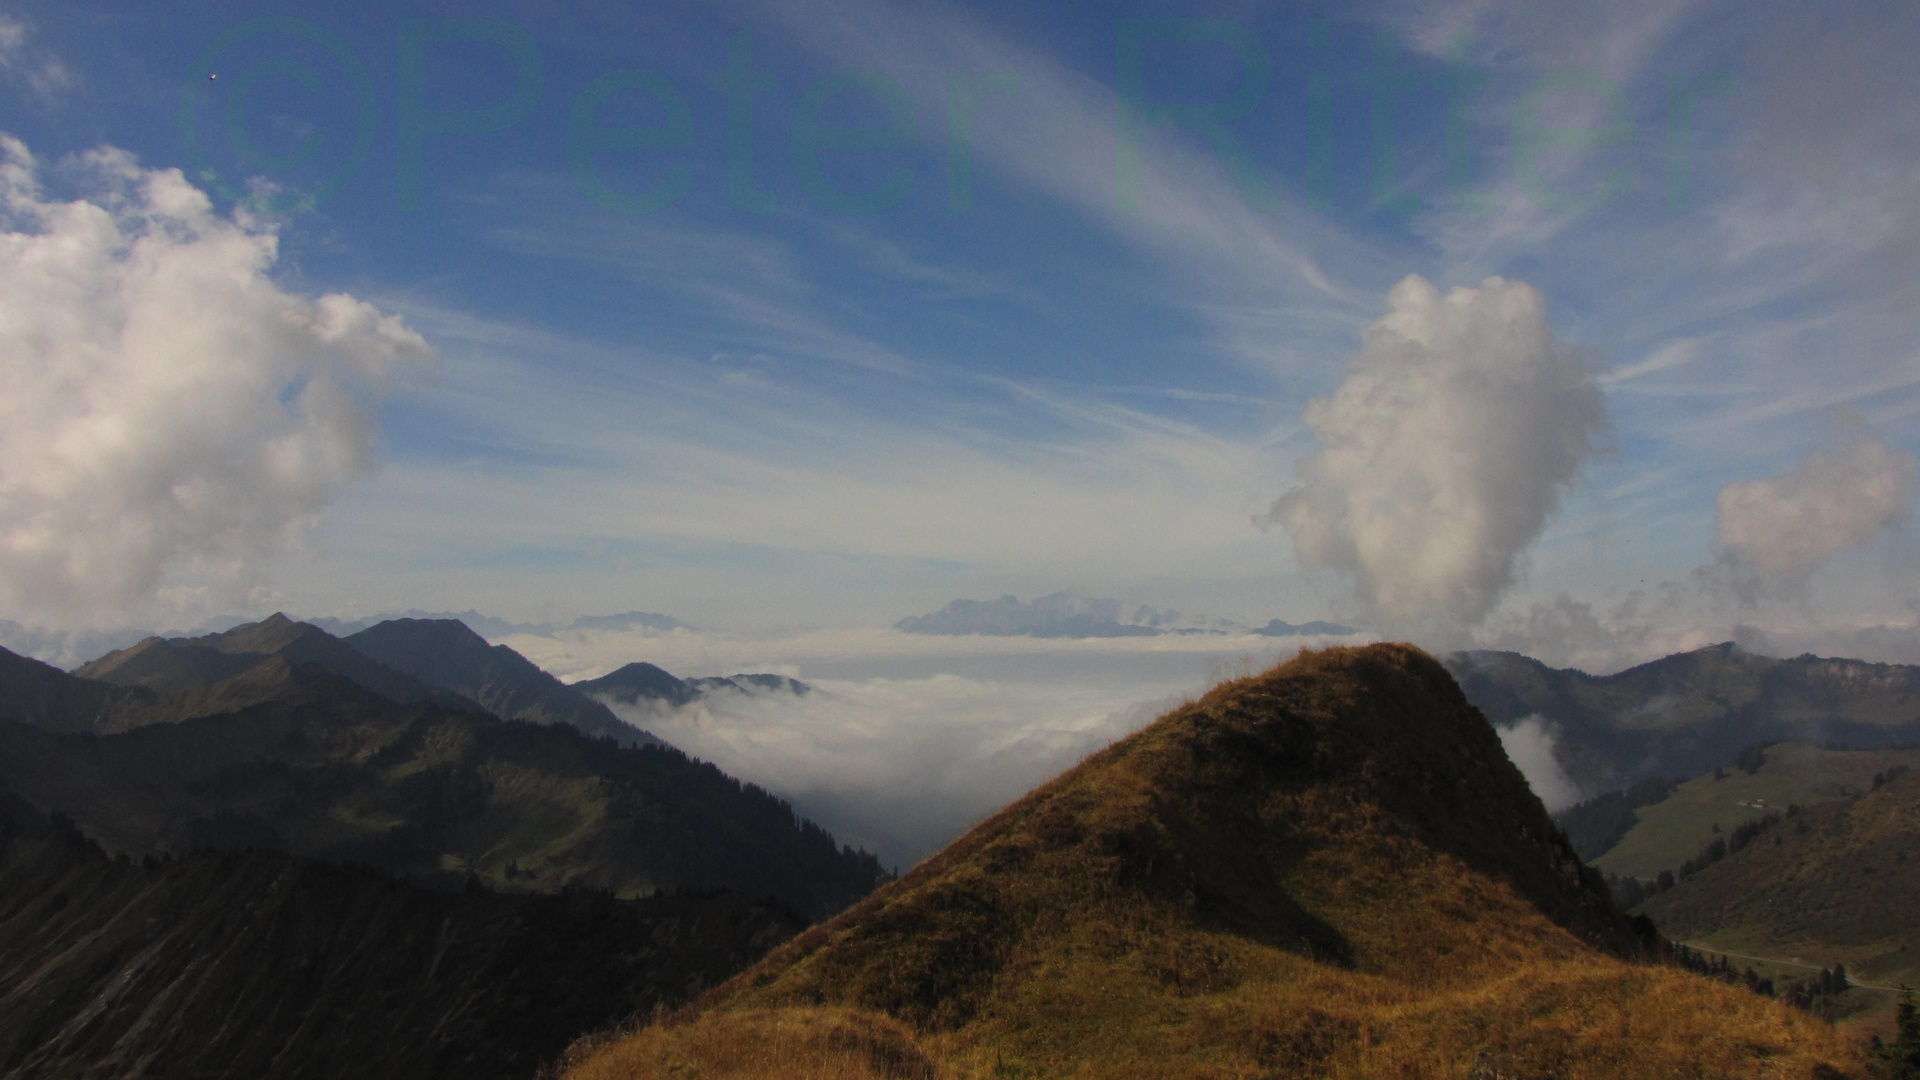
(1851, 982)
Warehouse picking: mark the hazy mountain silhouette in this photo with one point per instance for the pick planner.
(1278, 628)
(1068, 615)
(641, 682)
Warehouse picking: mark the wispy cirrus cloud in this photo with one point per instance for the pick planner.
(1253, 256)
(30, 64)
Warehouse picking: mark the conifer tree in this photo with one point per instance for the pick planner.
(1904, 1055)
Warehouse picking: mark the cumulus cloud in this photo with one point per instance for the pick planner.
(1529, 745)
(1777, 531)
(172, 415)
(1461, 424)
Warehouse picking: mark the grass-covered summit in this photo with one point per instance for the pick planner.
(1330, 869)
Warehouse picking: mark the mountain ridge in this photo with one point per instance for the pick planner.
(447, 654)
(1686, 713)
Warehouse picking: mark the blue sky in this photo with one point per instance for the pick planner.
(886, 304)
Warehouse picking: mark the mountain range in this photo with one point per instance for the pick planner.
(1068, 615)
(1329, 869)
(414, 747)
(272, 851)
(1684, 714)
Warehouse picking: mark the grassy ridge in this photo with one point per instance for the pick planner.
(1331, 869)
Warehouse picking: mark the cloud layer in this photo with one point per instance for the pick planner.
(1782, 528)
(172, 414)
(1461, 423)
(901, 767)
(909, 738)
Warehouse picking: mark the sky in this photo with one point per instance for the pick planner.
(1581, 330)
(1460, 321)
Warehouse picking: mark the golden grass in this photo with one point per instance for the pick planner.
(1328, 870)
(769, 1044)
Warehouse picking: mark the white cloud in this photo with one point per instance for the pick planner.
(1529, 745)
(902, 767)
(39, 69)
(1783, 528)
(1460, 425)
(172, 415)
(911, 738)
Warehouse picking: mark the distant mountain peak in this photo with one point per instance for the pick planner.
(640, 682)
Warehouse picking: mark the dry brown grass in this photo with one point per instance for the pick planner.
(1327, 870)
(769, 1044)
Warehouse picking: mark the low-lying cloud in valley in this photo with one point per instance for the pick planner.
(173, 416)
(901, 767)
(909, 738)
(1461, 424)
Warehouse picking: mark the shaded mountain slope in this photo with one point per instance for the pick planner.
(165, 666)
(1328, 869)
(44, 696)
(35, 693)
(1835, 882)
(257, 965)
(327, 769)
(445, 654)
(1686, 713)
